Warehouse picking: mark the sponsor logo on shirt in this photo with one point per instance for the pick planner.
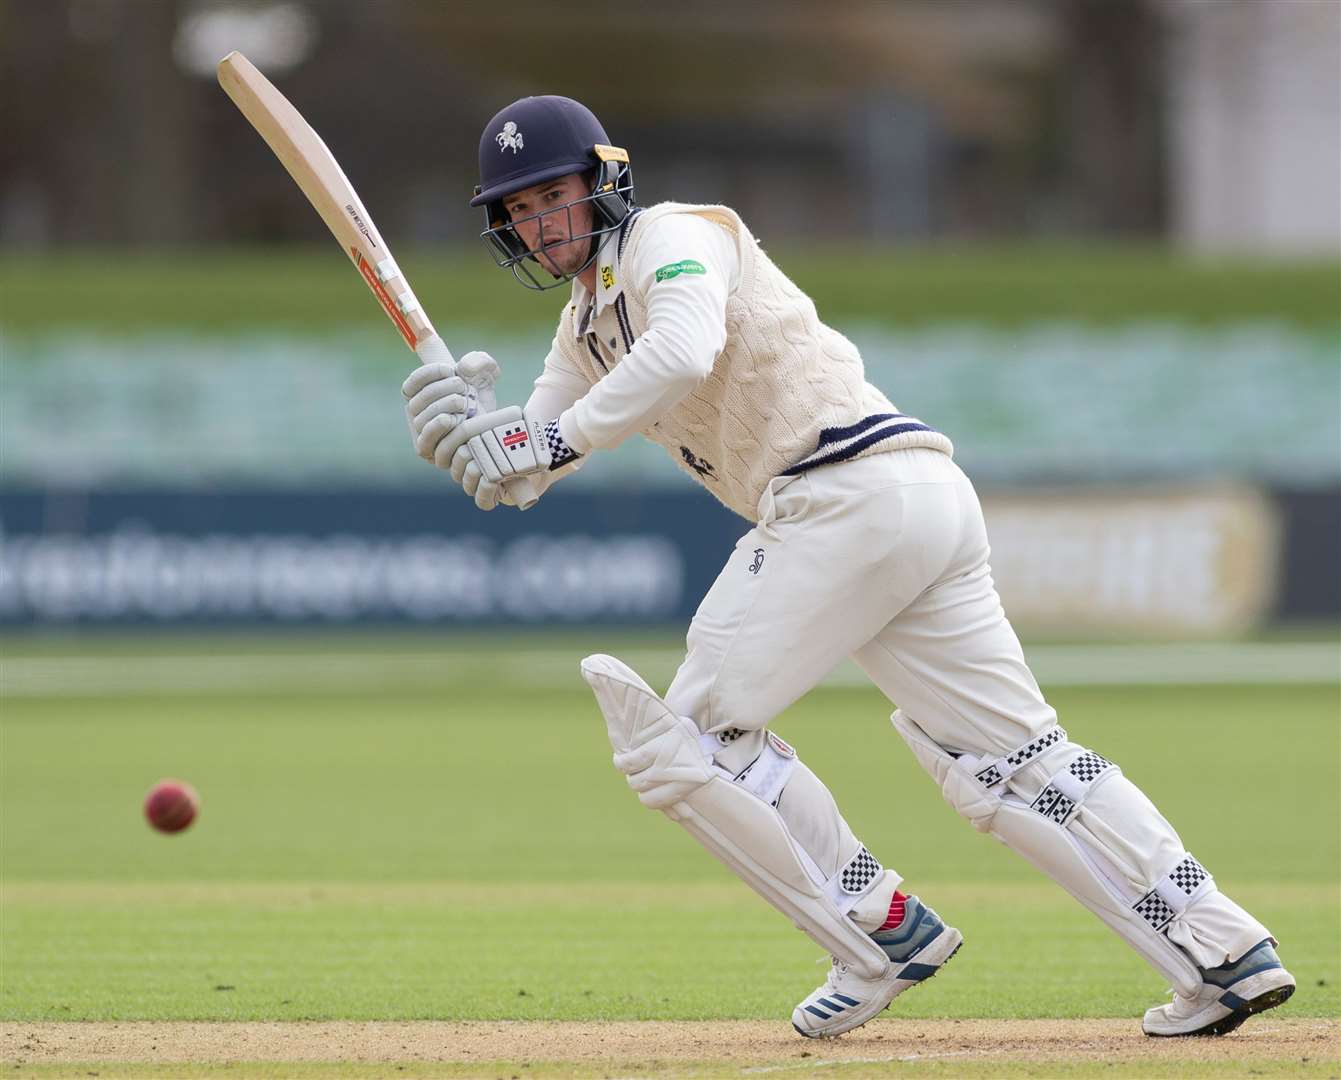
(675, 269)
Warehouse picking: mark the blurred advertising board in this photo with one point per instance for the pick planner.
(350, 557)
(1196, 561)
(1072, 559)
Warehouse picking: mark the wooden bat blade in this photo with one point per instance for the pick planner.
(302, 153)
(316, 172)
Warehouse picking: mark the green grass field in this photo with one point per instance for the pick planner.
(447, 851)
(1003, 285)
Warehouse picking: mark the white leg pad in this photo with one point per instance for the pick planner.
(978, 788)
(733, 817)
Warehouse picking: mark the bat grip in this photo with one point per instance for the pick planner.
(433, 349)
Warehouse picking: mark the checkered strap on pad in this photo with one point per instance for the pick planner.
(862, 869)
(1062, 795)
(852, 880)
(1003, 768)
(1172, 894)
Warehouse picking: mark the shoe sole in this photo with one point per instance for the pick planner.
(927, 978)
(1279, 996)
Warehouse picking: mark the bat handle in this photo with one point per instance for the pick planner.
(434, 350)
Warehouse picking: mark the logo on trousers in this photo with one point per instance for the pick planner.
(758, 563)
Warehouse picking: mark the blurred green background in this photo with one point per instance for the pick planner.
(1004, 285)
(1089, 241)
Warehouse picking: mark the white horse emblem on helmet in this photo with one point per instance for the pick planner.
(509, 136)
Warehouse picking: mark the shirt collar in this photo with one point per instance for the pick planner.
(609, 285)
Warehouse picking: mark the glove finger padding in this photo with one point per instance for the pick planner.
(450, 386)
(461, 461)
(452, 406)
(490, 456)
(470, 477)
(478, 368)
(480, 371)
(423, 376)
(486, 495)
(429, 444)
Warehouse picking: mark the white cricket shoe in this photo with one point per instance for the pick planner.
(917, 949)
(1229, 994)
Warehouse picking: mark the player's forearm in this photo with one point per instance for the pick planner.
(684, 336)
(629, 400)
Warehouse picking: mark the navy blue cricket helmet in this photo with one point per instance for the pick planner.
(543, 138)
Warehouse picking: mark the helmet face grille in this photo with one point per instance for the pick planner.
(535, 140)
(611, 201)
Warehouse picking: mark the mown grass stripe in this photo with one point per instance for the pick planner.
(332, 671)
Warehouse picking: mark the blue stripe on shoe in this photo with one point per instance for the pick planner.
(918, 972)
(832, 1005)
(1232, 1001)
(818, 1012)
(900, 948)
(847, 1000)
(1261, 957)
(1270, 965)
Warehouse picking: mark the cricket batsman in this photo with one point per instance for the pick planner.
(867, 541)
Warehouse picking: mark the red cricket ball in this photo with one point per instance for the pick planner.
(171, 806)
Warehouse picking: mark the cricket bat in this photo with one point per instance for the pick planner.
(315, 170)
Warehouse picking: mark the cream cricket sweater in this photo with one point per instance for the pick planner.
(775, 392)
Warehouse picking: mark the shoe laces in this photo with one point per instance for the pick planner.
(837, 969)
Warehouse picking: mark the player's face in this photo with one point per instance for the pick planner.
(543, 219)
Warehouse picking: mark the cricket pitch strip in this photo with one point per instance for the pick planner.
(1265, 1046)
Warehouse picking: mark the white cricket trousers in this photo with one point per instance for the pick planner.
(884, 559)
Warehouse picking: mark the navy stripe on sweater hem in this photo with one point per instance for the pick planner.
(853, 449)
(838, 434)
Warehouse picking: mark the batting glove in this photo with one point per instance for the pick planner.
(440, 395)
(484, 452)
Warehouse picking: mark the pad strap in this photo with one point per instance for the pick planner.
(848, 886)
(1003, 768)
(1174, 893)
(852, 881)
(1062, 795)
(766, 775)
